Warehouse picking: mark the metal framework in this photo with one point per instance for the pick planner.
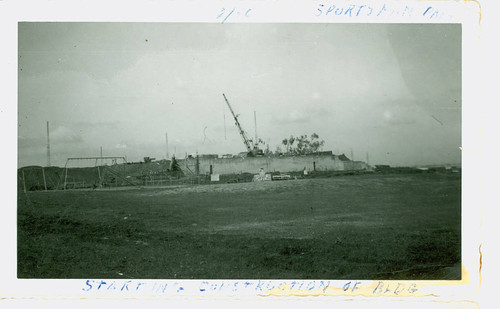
(240, 129)
(28, 168)
(114, 160)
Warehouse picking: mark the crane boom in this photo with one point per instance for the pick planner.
(242, 132)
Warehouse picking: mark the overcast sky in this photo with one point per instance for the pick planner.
(390, 90)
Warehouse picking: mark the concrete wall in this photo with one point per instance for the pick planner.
(269, 164)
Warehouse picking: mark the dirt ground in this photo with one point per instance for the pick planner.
(404, 226)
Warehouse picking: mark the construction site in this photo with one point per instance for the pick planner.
(301, 214)
(249, 165)
(341, 157)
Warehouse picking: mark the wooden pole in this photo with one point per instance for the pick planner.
(48, 145)
(65, 177)
(255, 124)
(99, 175)
(225, 136)
(24, 182)
(44, 182)
(166, 144)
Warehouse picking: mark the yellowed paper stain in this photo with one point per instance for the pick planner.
(376, 288)
(479, 6)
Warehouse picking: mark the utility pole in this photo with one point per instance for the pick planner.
(166, 142)
(66, 174)
(225, 136)
(24, 181)
(255, 124)
(44, 181)
(48, 145)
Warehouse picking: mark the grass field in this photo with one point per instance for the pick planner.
(357, 227)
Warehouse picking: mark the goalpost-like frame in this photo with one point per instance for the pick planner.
(114, 160)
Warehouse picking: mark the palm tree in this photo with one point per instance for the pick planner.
(285, 143)
(291, 140)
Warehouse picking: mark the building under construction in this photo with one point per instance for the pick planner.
(116, 171)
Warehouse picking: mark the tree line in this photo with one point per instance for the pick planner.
(297, 145)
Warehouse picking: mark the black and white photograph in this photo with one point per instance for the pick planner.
(170, 150)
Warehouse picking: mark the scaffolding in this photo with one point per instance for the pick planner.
(100, 170)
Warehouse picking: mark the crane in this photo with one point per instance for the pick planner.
(251, 151)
